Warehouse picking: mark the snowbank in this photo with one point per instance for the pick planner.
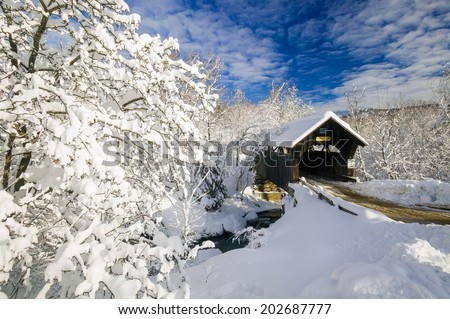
(408, 192)
(317, 251)
(235, 213)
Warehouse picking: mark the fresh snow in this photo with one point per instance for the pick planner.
(235, 213)
(289, 134)
(232, 217)
(407, 192)
(318, 251)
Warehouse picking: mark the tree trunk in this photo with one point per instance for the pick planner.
(8, 160)
(23, 165)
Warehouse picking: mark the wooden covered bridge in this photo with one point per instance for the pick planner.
(318, 145)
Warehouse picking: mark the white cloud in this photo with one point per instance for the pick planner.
(250, 55)
(412, 39)
(398, 47)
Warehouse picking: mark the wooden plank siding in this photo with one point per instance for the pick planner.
(279, 167)
(325, 151)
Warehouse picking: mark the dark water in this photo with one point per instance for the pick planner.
(226, 241)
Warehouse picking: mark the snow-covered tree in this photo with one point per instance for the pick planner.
(233, 119)
(88, 109)
(442, 92)
(283, 104)
(211, 67)
(236, 125)
(354, 99)
(404, 141)
(204, 192)
(243, 124)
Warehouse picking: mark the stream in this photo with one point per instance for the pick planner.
(227, 240)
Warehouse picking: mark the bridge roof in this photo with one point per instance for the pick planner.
(291, 133)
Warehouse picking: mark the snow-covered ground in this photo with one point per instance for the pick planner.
(318, 251)
(407, 192)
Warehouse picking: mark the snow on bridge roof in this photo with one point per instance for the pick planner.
(291, 133)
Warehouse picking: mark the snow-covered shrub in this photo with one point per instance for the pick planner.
(88, 108)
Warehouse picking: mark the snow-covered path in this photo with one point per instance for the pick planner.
(316, 250)
(425, 202)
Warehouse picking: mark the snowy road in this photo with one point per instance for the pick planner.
(409, 214)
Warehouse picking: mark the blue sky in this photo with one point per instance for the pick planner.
(324, 47)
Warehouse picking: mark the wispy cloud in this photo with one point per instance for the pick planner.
(326, 47)
(403, 46)
(250, 54)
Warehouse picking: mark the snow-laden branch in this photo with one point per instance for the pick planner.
(88, 78)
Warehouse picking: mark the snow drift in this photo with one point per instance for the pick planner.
(318, 251)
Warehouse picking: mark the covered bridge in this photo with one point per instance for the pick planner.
(318, 145)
